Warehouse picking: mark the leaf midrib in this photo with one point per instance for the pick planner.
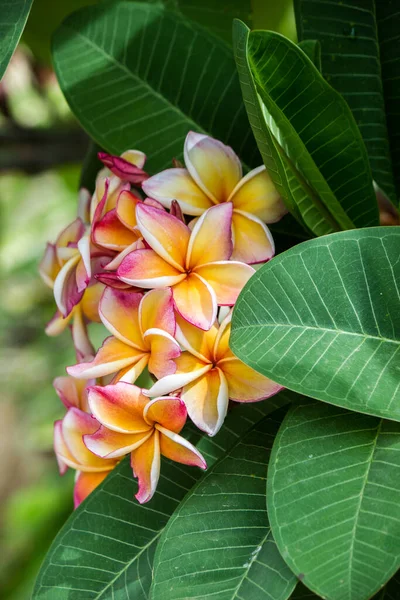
(314, 328)
(359, 506)
(128, 564)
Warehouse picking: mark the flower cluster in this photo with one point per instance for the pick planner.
(160, 261)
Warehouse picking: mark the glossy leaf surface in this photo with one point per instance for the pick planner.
(315, 128)
(218, 542)
(148, 79)
(334, 499)
(323, 319)
(360, 58)
(13, 16)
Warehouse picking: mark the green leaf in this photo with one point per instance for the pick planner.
(218, 543)
(13, 16)
(149, 79)
(106, 548)
(388, 17)
(323, 319)
(215, 16)
(313, 50)
(333, 497)
(316, 129)
(288, 182)
(356, 52)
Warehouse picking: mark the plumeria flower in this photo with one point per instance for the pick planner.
(209, 374)
(131, 423)
(143, 328)
(73, 392)
(213, 175)
(72, 452)
(118, 172)
(66, 268)
(195, 264)
(127, 167)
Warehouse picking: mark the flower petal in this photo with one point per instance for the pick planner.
(144, 268)
(75, 425)
(245, 384)
(63, 455)
(127, 170)
(90, 301)
(163, 349)
(110, 358)
(126, 209)
(164, 233)
(66, 292)
(135, 157)
(84, 198)
(169, 412)
(227, 278)
(176, 448)
(207, 400)
(49, 267)
(110, 233)
(111, 444)
(252, 240)
(177, 184)
(86, 483)
(119, 407)
(156, 310)
(198, 342)
(58, 324)
(215, 167)
(117, 260)
(195, 301)
(189, 368)
(221, 348)
(84, 267)
(71, 234)
(145, 462)
(119, 312)
(211, 238)
(131, 373)
(72, 392)
(257, 195)
(80, 337)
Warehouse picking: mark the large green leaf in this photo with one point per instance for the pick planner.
(216, 16)
(106, 548)
(316, 129)
(323, 319)
(148, 79)
(299, 198)
(13, 16)
(358, 41)
(218, 543)
(334, 499)
(388, 17)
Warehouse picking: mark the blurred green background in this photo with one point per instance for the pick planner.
(41, 151)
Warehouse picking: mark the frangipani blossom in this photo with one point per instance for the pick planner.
(72, 452)
(131, 423)
(143, 328)
(73, 392)
(213, 175)
(127, 167)
(195, 264)
(117, 174)
(64, 269)
(209, 374)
